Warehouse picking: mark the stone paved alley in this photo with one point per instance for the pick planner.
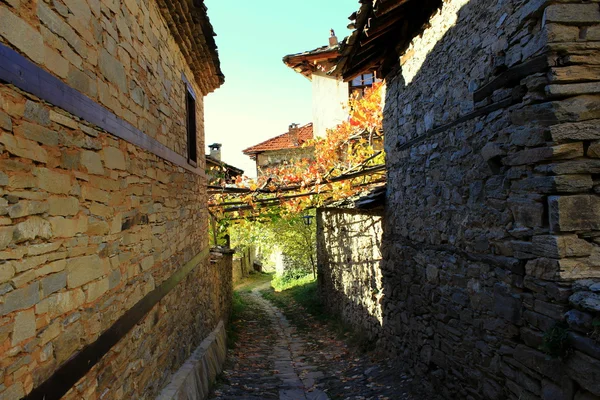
(274, 358)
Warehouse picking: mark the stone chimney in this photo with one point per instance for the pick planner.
(333, 41)
(293, 132)
(215, 151)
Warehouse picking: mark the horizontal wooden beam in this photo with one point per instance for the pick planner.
(366, 171)
(67, 375)
(512, 77)
(29, 77)
(275, 201)
(384, 7)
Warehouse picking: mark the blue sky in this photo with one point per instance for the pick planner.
(261, 96)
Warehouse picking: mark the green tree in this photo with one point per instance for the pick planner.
(291, 235)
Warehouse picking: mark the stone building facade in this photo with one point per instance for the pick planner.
(283, 149)
(491, 269)
(105, 281)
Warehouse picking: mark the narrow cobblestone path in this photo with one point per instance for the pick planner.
(274, 359)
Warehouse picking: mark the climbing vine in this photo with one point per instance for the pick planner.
(346, 162)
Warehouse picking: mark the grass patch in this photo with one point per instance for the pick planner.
(233, 327)
(253, 280)
(304, 295)
(556, 341)
(281, 283)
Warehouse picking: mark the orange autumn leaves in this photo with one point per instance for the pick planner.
(353, 145)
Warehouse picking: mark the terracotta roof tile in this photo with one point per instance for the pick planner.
(284, 141)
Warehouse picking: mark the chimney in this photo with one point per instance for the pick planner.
(215, 151)
(293, 132)
(333, 41)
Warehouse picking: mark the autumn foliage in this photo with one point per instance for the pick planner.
(352, 149)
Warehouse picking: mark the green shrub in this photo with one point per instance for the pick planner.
(556, 341)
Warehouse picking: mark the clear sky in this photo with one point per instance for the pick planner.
(261, 96)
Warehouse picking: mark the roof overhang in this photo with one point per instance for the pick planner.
(309, 62)
(211, 160)
(384, 30)
(190, 26)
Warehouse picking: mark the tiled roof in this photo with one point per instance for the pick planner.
(230, 168)
(284, 141)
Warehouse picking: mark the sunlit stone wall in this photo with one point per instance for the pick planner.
(349, 267)
(90, 224)
(492, 224)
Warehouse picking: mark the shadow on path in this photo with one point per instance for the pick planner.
(273, 359)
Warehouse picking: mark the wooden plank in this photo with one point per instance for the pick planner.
(382, 8)
(27, 76)
(474, 114)
(67, 375)
(330, 54)
(369, 61)
(512, 77)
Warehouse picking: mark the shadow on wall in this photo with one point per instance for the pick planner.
(349, 258)
(474, 232)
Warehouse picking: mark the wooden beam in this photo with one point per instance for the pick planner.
(367, 64)
(67, 375)
(326, 55)
(27, 76)
(343, 177)
(512, 77)
(382, 8)
(275, 202)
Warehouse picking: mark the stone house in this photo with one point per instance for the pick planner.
(488, 285)
(217, 170)
(284, 148)
(330, 94)
(106, 285)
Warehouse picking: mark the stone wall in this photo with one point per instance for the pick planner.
(491, 269)
(491, 127)
(349, 267)
(197, 375)
(243, 264)
(120, 54)
(90, 224)
(275, 158)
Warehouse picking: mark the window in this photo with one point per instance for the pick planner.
(361, 82)
(192, 148)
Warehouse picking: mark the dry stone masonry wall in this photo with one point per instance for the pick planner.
(349, 260)
(489, 285)
(91, 224)
(120, 54)
(491, 234)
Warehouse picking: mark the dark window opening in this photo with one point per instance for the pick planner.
(360, 82)
(191, 128)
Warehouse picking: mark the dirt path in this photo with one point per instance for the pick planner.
(276, 359)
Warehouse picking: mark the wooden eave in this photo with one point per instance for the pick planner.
(306, 64)
(218, 163)
(191, 28)
(384, 30)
